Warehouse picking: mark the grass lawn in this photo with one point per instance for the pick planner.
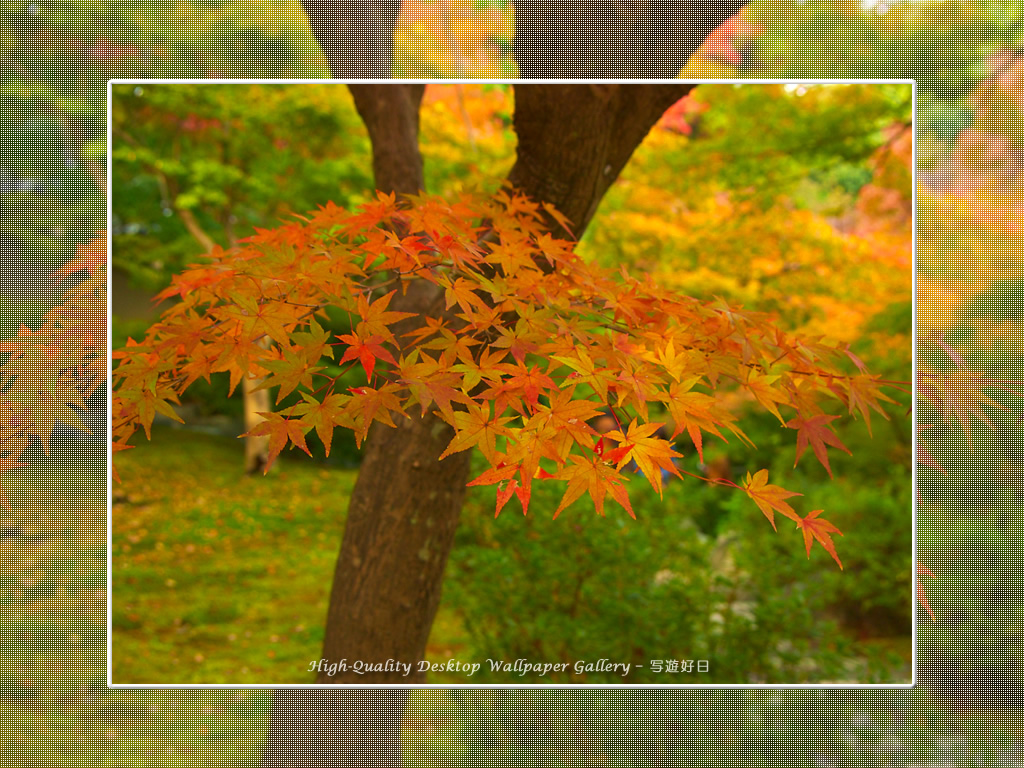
(219, 577)
(223, 578)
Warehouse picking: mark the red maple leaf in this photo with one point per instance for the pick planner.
(499, 475)
(815, 431)
(531, 382)
(496, 474)
(366, 351)
(505, 492)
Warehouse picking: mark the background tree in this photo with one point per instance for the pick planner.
(970, 282)
(770, 227)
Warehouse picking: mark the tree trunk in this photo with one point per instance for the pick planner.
(400, 526)
(392, 116)
(326, 728)
(574, 141)
(605, 39)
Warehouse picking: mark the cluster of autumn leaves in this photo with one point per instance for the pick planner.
(48, 374)
(528, 344)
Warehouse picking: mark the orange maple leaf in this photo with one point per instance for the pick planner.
(463, 293)
(476, 427)
(770, 498)
(692, 411)
(820, 530)
(324, 416)
(371, 404)
(595, 477)
(570, 419)
(91, 256)
(288, 372)
(280, 430)
(375, 318)
(557, 216)
(762, 387)
(651, 454)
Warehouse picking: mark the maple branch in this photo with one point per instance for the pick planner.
(886, 148)
(524, 383)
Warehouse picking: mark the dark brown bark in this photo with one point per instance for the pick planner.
(574, 140)
(392, 116)
(584, 39)
(401, 523)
